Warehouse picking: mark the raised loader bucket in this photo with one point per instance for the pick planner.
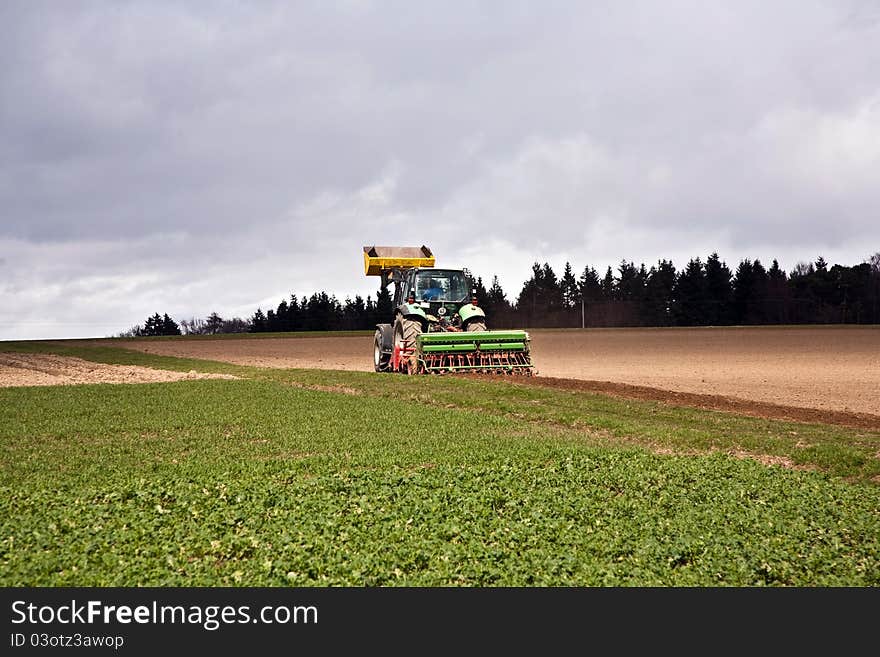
(379, 259)
(487, 352)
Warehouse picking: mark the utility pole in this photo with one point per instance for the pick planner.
(582, 313)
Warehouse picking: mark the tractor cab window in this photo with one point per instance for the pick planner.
(441, 285)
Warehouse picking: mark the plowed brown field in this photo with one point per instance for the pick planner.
(808, 373)
(51, 370)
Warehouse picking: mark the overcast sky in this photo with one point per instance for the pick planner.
(190, 157)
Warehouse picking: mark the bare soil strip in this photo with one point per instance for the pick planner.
(354, 353)
(711, 402)
(50, 370)
(834, 368)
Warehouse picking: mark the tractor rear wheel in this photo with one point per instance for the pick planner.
(405, 333)
(476, 325)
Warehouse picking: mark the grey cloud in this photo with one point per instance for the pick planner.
(279, 137)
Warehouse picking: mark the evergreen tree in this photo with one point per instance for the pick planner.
(358, 313)
(169, 326)
(569, 289)
(258, 322)
(530, 303)
(370, 316)
(349, 315)
(324, 312)
(719, 291)
(804, 305)
(690, 295)
(482, 294)
(540, 300)
(750, 292)
(743, 292)
(609, 289)
(874, 288)
(760, 281)
(294, 314)
(153, 325)
(852, 293)
(589, 286)
(384, 305)
(590, 295)
(778, 296)
(319, 312)
(775, 273)
(214, 323)
(496, 306)
(822, 285)
(630, 293)
(497, 299)
(552, 290)
(282, 316)
(659, 294)
(630, 282)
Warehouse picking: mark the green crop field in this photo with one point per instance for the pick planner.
(320, 478)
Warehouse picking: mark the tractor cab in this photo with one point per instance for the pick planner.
(433, 286)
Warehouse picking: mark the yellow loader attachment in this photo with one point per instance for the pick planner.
(379, 259)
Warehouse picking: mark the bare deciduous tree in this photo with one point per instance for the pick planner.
(192, 326)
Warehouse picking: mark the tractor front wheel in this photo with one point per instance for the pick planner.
(381, 360)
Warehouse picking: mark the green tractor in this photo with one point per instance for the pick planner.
(438, 327)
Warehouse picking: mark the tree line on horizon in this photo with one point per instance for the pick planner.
(703, 293)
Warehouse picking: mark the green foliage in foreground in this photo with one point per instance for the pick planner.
(266, 482)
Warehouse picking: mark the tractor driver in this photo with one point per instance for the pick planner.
(433, 291)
